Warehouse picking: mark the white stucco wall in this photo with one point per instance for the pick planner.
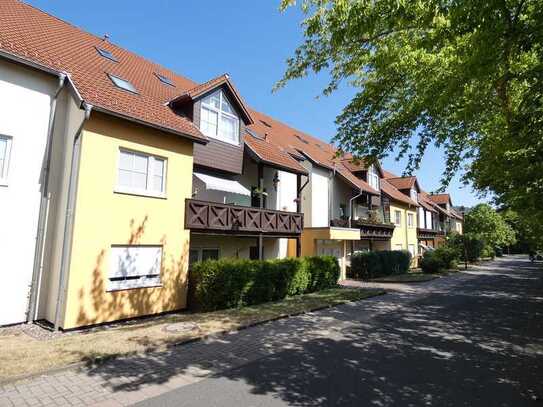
(319, 197)
(25, 99)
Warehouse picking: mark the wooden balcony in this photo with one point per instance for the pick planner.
(375, 231)
(428, 233)
(204, 216)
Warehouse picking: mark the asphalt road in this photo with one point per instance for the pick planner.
(479, 344)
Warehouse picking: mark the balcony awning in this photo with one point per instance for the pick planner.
(222, 184)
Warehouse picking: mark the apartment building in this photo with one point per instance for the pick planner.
(128, 173)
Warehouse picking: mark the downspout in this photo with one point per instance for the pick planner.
(68, 223)
(37, 273)
(351, 206)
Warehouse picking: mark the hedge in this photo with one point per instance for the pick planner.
(231, 283)
(432, 262)
(368, 265)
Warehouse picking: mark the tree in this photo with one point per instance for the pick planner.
(466, 75)
(483, 221)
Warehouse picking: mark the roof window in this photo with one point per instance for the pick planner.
(265, 123)
(123, 84)
(106, 54)
(164, 79)
(301, 139)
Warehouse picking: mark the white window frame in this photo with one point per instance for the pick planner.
(373, 177)
(396, 212)
(4, 172)
(410, 220)
(414, 252)
(148, 191)
(413, 195)
(119, 282)
(220, 113)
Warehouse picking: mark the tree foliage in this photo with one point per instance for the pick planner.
(489, 225)
(465, 75)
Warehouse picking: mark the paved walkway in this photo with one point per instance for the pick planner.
(470, 339)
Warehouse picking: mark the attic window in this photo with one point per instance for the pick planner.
(301, 139)
(123, 84)
(106, 54)
(265, 123)
(164, 79)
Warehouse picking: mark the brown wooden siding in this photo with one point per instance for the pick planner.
(217, 154)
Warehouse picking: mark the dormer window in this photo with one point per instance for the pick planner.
(373, 177)
(218, 118)
(413, 194)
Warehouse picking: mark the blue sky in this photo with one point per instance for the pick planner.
(248, 39)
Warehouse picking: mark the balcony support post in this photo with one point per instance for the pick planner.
(261, 205)
(298, 247)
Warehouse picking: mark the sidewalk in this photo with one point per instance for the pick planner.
(125, 381)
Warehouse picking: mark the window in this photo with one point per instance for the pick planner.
(398, 218)
(411, 249)
(123, 84)
(429, 223)
(164, 79)
(458, 227)
(413, 194)
(410, 220)
(141, 174)
(134, 267)
(106, 54)
(218, 119)
(5, 153)
(199, 254)
(373, 177)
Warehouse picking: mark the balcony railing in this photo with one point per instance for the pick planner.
(205, 216)
(370, 229)
(428, 233)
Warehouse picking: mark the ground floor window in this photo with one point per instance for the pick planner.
(412, 250)
(134, 267)
(202, 254)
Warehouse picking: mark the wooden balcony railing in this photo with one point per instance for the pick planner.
(205, 216)
(428, 233)
(368, 229)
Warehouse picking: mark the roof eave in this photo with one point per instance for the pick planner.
(257, 157)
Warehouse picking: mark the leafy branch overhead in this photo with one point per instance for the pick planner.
(465, 75)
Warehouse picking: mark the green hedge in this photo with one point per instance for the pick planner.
(230, 283)
(368, 265)
(432, 262)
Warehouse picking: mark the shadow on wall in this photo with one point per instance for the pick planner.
(473, 346)
(97, 305)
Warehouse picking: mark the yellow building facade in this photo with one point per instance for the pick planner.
(113, 226)
(404, 236)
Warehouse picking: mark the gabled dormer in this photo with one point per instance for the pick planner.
(371, 173)
(216, 108)
(408, 186)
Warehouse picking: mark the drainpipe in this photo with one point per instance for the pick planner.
(68, 223)
(44, 208)
(351, 206)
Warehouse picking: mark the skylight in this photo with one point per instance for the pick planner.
(265, 123)
(106, 54)
(164, 79)
(123, 84)
(301, 139)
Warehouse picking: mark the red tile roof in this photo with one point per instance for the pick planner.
(426, 203)
(394, 194)
(403, 182)
(441, 198)
(270, 154)
(31, 34)
(388, 174)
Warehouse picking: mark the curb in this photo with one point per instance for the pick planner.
(94, 363)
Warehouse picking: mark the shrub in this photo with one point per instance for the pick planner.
(448, 255)
(323, 272)
(368, 265)
(467, 245)
(431, 262)
(488, 251)
(499, 251)
(230, 283)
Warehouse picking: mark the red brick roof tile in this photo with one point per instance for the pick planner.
(271, 154)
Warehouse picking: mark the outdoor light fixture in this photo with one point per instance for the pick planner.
(275, 180)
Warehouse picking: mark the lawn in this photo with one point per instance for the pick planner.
(23, 355)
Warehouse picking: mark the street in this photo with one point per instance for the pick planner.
(470, 339)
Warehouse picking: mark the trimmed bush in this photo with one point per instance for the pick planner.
(368, 265)
(432, 262)
(231, 283)
(448, 255)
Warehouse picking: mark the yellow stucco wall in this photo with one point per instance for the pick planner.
(404, 235)
(104, 218)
